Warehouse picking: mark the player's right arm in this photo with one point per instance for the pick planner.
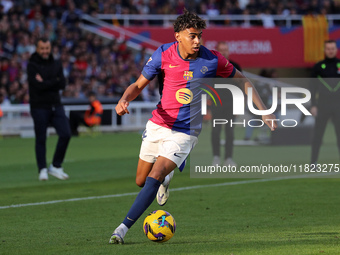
(130, 94)
(150, 70)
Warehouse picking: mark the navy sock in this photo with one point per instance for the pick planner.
(143, 201)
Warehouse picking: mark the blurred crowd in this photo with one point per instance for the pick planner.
(263, 9)
(91, 63)
(216, 7)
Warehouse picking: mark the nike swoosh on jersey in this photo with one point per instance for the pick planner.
(175, 154)
(173, 66)
(130, 219)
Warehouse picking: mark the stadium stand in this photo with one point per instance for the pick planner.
(91, 63)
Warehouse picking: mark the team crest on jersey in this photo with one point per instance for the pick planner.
(204, 69)
(150, 59)
(184, 96)
(188, 75)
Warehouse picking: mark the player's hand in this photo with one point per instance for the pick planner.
(39, 78)
(122, 107)
(314, 111)
(270, 121)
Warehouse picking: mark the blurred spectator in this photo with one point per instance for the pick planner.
(141, 58)
(267, 19)
(13, 69)
(52, 19)
(25, 45)
(33, 11)
(4, 82)
(3, 97)
(8, 46)
(93, 69)
(81, 62)
(71, 15)
(36, 23)
(7, 5)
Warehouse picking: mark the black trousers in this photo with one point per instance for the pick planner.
(225, 112)
(324, 114)
(43, 118)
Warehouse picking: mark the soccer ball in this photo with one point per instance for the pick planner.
(159, 226)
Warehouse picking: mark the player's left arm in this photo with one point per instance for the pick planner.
(245, 84)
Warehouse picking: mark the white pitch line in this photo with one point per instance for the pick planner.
(175, 189)
(68, 200)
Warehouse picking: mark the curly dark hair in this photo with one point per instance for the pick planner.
(188, 20)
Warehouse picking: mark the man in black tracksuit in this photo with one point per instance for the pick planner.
(46, 79)
(325, 92)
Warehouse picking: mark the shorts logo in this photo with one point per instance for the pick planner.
(144, 134)
(184, 96)
(188, 75)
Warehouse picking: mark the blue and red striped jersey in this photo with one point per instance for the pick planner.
(179, 108)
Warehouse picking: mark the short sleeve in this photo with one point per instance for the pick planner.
(224, 68)
(153, 65)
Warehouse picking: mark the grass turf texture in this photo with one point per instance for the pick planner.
(298, 216)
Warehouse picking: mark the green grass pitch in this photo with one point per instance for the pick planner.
(296, 216)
